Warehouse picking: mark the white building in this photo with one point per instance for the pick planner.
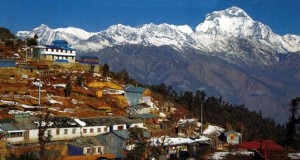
(59, 51)
(25, 129)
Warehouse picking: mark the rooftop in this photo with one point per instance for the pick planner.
(107, 121)
(133, 89)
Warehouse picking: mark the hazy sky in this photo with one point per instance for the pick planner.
(283, 16)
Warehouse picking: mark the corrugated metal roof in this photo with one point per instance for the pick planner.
(58, 47)
(124, 134)
(131, 88)
(107, 121)
(140, 106)
(145, 116)
(24, 123)
(8, 127)
(86, 142)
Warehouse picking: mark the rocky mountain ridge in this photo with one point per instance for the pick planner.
(228, 55)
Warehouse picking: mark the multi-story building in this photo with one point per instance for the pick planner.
(59, 51)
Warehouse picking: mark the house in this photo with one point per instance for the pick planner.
(89, 60)
(139, 109)
(116, 142)
(62, 128)
(186, 127)
(233, 137)
(19, 130)
(7, 62)
(179, 147)
(85, 146)
(25, 129)
(147, 118)
(59, 51)
(137, 95)
(96, 126)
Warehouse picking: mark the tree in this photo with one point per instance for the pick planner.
(92, 68)
(105, 70)
(43, 124)
(79, 81)
(32, 41)
(137, 139)
(188, 99)
(68, 89)
(291, 127)
(5, 34)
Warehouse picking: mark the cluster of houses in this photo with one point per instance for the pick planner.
(106, 136)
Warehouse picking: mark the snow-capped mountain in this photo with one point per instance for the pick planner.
(229, 54)
(222, 33)
(47, 35)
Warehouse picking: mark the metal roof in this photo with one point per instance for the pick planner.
(86, 142)
(131, 88)
(58, 47)
(124, 134)
(8, 127)
(145, 116)
(107, 121)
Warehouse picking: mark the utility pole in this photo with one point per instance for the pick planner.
(201, 108)
(26, 50)
(39, 97)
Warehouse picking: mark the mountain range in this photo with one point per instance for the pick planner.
(229, 54)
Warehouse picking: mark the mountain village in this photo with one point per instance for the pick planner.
(55, 105)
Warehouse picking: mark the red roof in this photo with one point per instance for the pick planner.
(263, 144)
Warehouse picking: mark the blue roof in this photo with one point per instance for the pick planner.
(58, 47)
(131, 88)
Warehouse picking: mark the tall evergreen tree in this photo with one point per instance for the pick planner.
(294, 121)
(105, 70)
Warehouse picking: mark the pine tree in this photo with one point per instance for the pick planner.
(291, 127)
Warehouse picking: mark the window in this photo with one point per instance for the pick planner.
(91, 130)
(65, 131)
(89, 150)
(49, 132)
(98, 130)
(100, 150)
(15, 134)
(46, 49)
(73, 130)
(70, 51)
(52, 50)
(57, 131)
(84, 130)
(56, 50)
(120, 127)
(105, 129)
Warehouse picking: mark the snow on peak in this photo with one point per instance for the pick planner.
(185, 29)
(235, 11)
(230, 22)
(80, 33)
(216, 34)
